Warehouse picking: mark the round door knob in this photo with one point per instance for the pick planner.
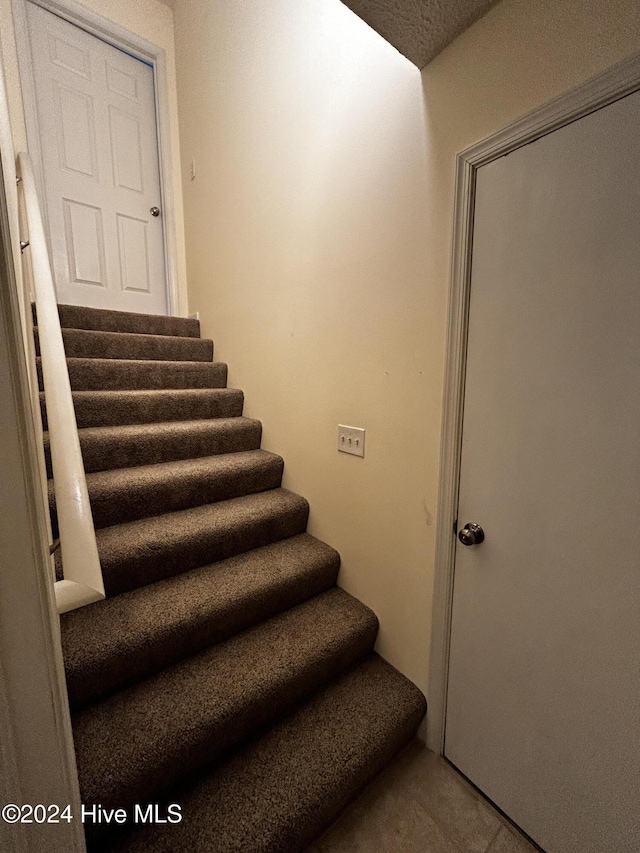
(471, 534)
(155, 211)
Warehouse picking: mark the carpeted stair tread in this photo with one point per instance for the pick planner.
(111, 374)
(279, 792)
(101, 320)
(80, 343)
(222, 614)
(119, 641)
(112, 408)
(104, 448)
(136, 742)
(128, 494)
(152, 549)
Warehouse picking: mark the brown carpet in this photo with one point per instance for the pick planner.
(112, 408)
(81, 343)
(111, 374)
(129, 445)
(128, 494)
(225, 671)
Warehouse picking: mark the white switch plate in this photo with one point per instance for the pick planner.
(351, 440)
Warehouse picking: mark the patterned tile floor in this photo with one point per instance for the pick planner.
(420, 804)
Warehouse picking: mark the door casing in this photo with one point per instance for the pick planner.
(604, 89)
(138, 47)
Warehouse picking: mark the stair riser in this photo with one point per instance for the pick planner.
(137, 501)
(154, 561)
(116, 375)
(104, 452)
(222, 614)
(205, 627)
(333, 745)
(264, 695)
(97, 319)
(371, 759)
(110, 409)
(83, 344)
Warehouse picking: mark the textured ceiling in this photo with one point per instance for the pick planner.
(420, 29)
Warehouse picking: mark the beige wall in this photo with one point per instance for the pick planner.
(307, 262)
(149, 19)
(318, 239)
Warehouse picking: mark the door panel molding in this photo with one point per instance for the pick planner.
(138, 47)
(604, 89)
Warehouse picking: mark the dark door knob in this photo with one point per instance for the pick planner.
(471, 534)
(155, 211)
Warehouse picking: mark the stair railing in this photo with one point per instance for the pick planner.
(83, 582)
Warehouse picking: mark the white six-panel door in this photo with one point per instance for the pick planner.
(98, 140)
(543, 710)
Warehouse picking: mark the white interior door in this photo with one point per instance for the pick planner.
(543, 706)
(98, 140)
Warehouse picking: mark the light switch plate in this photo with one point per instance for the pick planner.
(351, 440)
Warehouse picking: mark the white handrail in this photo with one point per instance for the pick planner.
(16, 221)
(83, 581)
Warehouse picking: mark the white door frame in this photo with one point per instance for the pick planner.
(138, 47)
(621, 80)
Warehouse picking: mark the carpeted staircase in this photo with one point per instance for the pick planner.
(225, 671)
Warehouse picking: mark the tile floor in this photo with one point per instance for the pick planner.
(420, 804)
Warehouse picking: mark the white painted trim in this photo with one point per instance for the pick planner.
(17, 225)
(10, 786)
(450, 453)
(34, 711)
(621, 80)
(71, 595)
(138, 47)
